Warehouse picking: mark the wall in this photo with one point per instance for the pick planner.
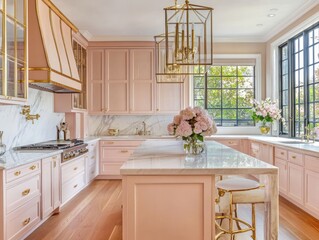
(246, 48)
(18, 131)
(127, 125)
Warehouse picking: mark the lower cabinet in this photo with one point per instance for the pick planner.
(72, 178)
(21, 206)
(112, 156)
(283, 175)
(311, 183)
(296, 182)
(50, 185)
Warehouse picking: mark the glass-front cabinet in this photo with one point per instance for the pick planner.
(79, 99)
(13, 57)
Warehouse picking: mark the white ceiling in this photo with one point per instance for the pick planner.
(234, 20)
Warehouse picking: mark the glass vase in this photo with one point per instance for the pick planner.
(264, 128)
(193, 147)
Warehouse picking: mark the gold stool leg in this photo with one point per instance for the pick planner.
(253, 219)
(231, 215)
(236, 216)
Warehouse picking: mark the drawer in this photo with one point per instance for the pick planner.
(114, 154)
(230, 143)
(71, 169)
(281, 153)
(312, 163)
(18, 194)
(111, 168)
(296, 158)
(22, 171)
(72, 187)
(117, 143)
(91, 160)
(92, 173)
(23, 219)
(92, 147)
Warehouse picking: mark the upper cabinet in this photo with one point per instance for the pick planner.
(121, 80)
(14, 53)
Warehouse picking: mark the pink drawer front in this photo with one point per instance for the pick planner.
(21, 192)
(230, 143)
(312, 163)
(110, 168)
(296, 158)
(116, 153)
(70, 188)
(281, 153)
(24, 170)
(23, 219)
(118, 143)
(71, 169)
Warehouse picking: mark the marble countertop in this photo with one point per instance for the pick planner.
(276, 141)
(162, 157)
(91, 139)
(15, 158)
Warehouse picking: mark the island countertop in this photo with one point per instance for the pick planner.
(166, 157)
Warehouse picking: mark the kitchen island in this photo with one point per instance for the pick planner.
(168, 196)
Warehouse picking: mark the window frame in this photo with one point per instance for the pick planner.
(292, 132)
(257, 90)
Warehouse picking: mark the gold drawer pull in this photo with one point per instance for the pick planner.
(75, 186)
(230, 142)
(282, 153)
(75, 168)
(33, 167)
(124, 151)
(17, 173)
(26, 192)
(25, 222)
(293, 157)
(110, 143)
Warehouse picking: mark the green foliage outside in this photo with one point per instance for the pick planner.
(230, 90)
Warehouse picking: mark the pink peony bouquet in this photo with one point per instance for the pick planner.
(266, 111)
(192, 123)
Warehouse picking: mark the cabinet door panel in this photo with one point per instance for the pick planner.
(96, 82)
(296, 182)
(170, 98)
(116, 81)
(312, 191)
(283, 175)
(47, 197)
(141, 80)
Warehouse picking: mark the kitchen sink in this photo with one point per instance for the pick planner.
(292, 142)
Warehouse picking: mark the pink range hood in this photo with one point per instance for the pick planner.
(52, 65)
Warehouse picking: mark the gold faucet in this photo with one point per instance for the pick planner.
(310, 134)
(26, 111)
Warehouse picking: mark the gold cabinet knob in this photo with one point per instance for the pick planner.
(75, 186)
(110, 143)
(124, 151)
(17, 173)
(293, 156)
(33, 167)
(282, 153)
(75, 168)
(26, 192)
(26, 222)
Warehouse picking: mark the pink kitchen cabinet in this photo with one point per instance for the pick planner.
(50, 185)
(283, 175)
(170, 98)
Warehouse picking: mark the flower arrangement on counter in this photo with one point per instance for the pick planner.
(192, 124)
(266, 111)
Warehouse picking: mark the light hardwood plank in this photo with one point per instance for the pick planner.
(96, 214)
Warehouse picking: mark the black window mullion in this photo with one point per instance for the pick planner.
(291, 87)
(306, 80)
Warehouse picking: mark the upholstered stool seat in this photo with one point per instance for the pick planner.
(237, 191)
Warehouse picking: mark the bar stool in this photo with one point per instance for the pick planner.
(239, 191)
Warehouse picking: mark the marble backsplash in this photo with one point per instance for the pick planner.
(157, 125)
(18, 131)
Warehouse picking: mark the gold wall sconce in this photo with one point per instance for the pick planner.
(26, 112)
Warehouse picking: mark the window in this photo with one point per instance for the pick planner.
(226, 92)
(299, 82)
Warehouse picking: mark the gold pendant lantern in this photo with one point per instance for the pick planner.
(172, 73)
(188, 35)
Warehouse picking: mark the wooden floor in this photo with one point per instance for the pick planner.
(95, 214)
